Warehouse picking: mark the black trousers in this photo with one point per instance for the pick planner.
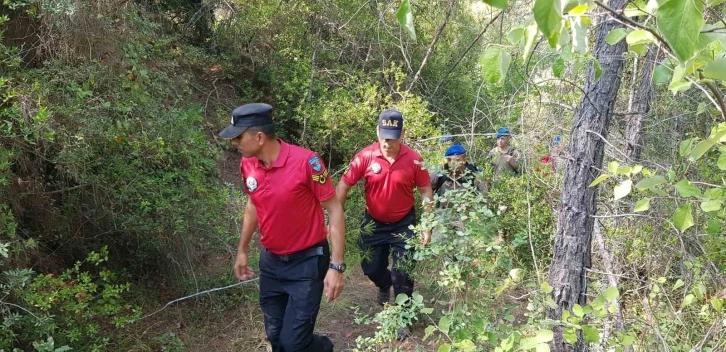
(290, 293)
(378, 240)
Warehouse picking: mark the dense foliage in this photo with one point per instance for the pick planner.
(116, 194)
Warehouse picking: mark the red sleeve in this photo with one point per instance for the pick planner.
(319, 178)
(422, 175)
(356, 170)
(242, 174)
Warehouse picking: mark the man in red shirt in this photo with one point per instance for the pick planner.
(286, 185)
(391, 171)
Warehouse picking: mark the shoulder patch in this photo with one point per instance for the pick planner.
(316, 164)
(320, 173)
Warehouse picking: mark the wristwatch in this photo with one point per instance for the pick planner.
(338, 267)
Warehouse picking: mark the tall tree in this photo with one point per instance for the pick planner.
(568, 274)
(640, 106)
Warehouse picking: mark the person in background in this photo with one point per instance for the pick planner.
(503, 156)
(456, 173)
(391, 170)
(286, 185)
(554, 159)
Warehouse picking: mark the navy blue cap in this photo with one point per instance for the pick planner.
(503, 132)
(456, 149)
(390, 124)
(246, 116)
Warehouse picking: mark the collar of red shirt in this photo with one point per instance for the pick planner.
(281, 158)
(378, 153)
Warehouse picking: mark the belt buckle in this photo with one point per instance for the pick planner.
(283, 258)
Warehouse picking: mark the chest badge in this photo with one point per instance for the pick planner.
(251, 183)
(376, 168)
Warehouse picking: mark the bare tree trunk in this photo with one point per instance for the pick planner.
(432, 46)
(575, 223)
(640, 106)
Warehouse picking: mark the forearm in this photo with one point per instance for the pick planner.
(249, 225)
(341, 192)
(337, 235)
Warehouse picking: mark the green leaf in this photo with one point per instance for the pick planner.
(577, 310)
(722, 161)
(680, 22)
(515, 35)
(711, 205)
(427, 310)
(623, 189)
(683, 218)
(527, 344)
(530, 34)
(445, 348)
(612, 293)
(570, 336)
(716, 69)
(465, 346)
(542, 348)
(678, 284)
(688, 300)
(686, 189)
(545, 287)
(639, 36)
(495, 63)
(649, 183)
(679, 86)
(627, 340)
(597, 68)
(579, 34)
(558, 68)
(500, 4)
(444, 323)
(401, 299)
(717, 304)
(713, 193)
(685, 147)
(714, 226)
(547, 18)
(590, 333)
(642, 205)
(613, 167)
(544, 336)
(616, 35)
(405, 18)
(428, 331)
(663, 73)
(639, 49)
(599, 179)
(700, 149)
(637, 169)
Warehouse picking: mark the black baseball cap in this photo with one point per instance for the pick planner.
(390, 124)
(246, 116)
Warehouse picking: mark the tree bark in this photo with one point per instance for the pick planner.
(573, 240)
(640, 106)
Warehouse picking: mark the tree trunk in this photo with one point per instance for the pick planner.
(640, 106)
(575, 223)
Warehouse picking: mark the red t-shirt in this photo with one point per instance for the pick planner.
(287, 196)
(388, 187)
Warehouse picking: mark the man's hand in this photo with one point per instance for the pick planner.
(241, 270)
(426, 238)
(333, 284)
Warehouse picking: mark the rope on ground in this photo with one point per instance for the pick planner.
(199, 294)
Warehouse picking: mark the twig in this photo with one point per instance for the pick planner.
(620, 16)
(199, 294)
(432, 46)
(718, 97)
(448, 72)
(19, 307)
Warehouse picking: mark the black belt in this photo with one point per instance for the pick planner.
(315, 250)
